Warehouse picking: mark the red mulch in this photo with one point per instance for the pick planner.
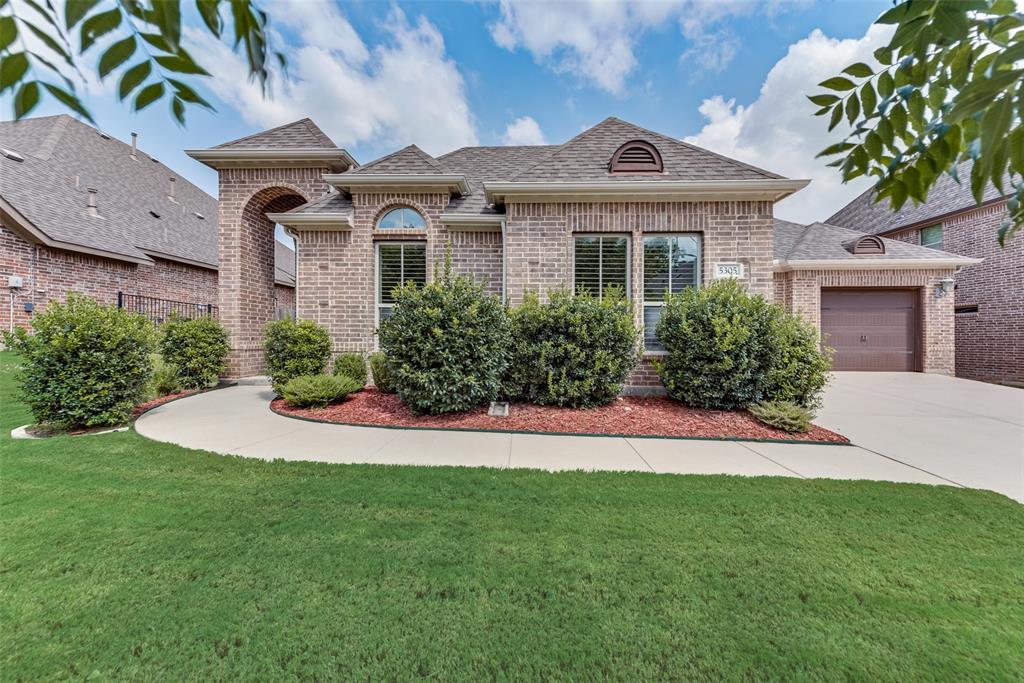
(626, 416)
(149, 405)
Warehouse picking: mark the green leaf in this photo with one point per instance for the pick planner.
(837, 148)
(837, 83)
(873, 145)
(885, 132)
(8, 32)
(26, 99)
(852, 108)
(99, 25)
(75, 11)
(995, 125)
(908, 32)
(886, 87)
(951, 20)
(178, 110)
(187, 94)
(837, 116)
(823, 100)
(868, 100)
(916, 105)
(49, 42)
(898, 117)
(166, 16)
(210, 13)
(132, 78)
(12, 70)
(859, 70)
(69, 100)
(883, 55)
(181, 63)
(116, 55)
(148, 95)
(157, 41)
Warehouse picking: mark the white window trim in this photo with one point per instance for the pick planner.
(377, 293)
(700, 277)
(600, 257)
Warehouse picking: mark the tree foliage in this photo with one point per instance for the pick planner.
(949, 87)
(42, 49)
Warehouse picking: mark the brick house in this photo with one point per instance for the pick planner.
(616, 205)
(989, 298)
(81, 211)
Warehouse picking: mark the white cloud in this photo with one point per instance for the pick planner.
(778, 130)
(523, 131)
(596, 39)
(403, 91)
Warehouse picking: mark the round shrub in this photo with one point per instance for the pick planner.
(85, 365)
(785, 415)
(292, 349)
(728, 350)
(574, 351)
(316, 391)
(196, 349)
(382, 377)
(351, 365)
(447, 344)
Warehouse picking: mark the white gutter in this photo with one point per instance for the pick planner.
(312, 221)
(874, 264)
(692, 190)
(337, 159)
(391, 181)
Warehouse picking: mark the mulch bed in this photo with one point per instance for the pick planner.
(46, 431)
(149, 405)
(626, 416)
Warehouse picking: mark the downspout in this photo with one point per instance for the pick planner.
(504, 264)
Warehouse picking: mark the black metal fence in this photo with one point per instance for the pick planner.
(159, 310)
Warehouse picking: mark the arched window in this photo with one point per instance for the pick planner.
(636, 156)
(402, 218)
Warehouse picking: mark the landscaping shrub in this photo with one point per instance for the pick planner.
(293, 349)
(382, 377)
(316, 391)
(447, 344)
(196, 349)
(86, 365)
(351, 365)
(165, 378)
(785, 415)
(727, 349)
(574, 351)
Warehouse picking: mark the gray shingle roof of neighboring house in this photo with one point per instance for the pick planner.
(946, 197)
(284, 264)
(64, 157)
(297, 134)
(824, 242)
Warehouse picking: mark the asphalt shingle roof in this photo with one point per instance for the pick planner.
(301, 134)
(946, 196)
(409, 160)
(824, 242)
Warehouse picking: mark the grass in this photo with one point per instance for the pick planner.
(125, 558)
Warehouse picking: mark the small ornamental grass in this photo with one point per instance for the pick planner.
(317, 391)
(165, 379)
(382, 377)
(351, 365)
(196, 349)
(85, 365)
(575, 351)
(293, 349)
(785, 415)
(447, 344)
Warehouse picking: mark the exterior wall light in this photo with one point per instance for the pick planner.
(944, 286)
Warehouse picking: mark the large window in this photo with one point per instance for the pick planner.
(398, 264)
(601, 261)
(671, 264)
(931, 237)
(402, 218)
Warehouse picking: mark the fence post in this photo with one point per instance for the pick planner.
(120, 299)
(209, 310)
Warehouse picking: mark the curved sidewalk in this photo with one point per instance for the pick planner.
(238, 421)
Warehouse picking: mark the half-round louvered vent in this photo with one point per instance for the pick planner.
(636, 156)
(867, 245)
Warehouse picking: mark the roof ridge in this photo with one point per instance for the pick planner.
(413, 149)
(57, 131)
(565, 144)
(311, 127)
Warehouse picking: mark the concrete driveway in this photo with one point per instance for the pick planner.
(968, 433)
(907, 428)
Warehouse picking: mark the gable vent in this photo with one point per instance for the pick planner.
(636, 156)
(868, 245)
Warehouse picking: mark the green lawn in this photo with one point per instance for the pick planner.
(124, 558)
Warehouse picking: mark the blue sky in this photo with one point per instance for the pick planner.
(726, 74)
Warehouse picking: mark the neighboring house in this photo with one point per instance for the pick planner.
(989, 300)
(81, 211)
(616, 205)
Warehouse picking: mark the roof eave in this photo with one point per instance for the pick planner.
(313, 221)
(785, 265)
(178, 259)
(424, 182)
(336, 159)
(664, 190)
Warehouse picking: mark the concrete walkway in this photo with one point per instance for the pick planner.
(238, 421)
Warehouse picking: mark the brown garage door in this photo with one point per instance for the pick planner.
(873, 329)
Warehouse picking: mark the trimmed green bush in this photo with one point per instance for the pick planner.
(728, 350)
(316, 391)
(196, 349)
(293, 349)
(85, 365)
(574, 351)
(351, 365)
(785, 415)
(165, 378)
(382, 377)
(447, 344)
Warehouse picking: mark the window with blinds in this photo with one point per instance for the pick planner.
(931, 237)
(600, 262)
(671, 264)
(398, 264)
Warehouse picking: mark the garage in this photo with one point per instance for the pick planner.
(872, 329)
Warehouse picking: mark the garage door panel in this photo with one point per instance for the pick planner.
(871, 330)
